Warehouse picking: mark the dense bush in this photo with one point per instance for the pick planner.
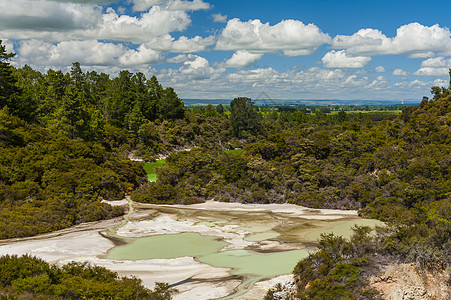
(28, 277)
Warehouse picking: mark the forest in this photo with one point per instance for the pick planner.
(65, 140)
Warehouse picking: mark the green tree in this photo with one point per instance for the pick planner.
(220, 108)
(244, 116)
(8, 88)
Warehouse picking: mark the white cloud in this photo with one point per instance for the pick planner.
(218, 18)
(182, 45)
(299, 52)
(422, 54)
(143, 5)
(380, 69)
(43, 15)
(258, 75)
(242, 59)
(258, 37)
(178, 59)
(64, 53)
(418, 84)
(399, 72)
(436, 62)
(340, 59)
(195, 76)
(414, 39)
(155, 22)
(196, 68)
(88, 53)
(379, 83)
(142, 55)
(440, 82)
(188, 5)
(437, 66)
(57, 22)
(428, 71)
(310, 83)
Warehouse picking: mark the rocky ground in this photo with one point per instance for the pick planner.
(406, 282)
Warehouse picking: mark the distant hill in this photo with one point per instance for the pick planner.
(200, 102)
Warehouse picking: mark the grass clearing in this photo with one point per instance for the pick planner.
(151, 171)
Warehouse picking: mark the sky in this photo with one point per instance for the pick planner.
(221, 49)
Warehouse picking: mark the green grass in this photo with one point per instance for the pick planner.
(151, 171)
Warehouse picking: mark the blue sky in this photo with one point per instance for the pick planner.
(365, 50)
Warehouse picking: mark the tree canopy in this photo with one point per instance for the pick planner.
(244, 117)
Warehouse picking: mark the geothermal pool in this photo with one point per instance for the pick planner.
(218, 250)
(253, 242)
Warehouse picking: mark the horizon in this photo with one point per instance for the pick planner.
(307, 102)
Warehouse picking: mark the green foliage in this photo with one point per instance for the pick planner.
(9, 93)
(51, 182)
(32, 276)
(244, 117)
(335, 270)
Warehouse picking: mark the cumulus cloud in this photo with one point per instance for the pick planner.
(188, 5)
(414, 39)
(182, 45)
(242, 59)
(195, 77)
(43, 15)
(379, 83)
(218, 18)
(440, 82)
(88, 53)
(155, 22)
(436, 62)
(379, 69)
(399, 72)
(428, 71)
(58, 22)
(437, 66)
(255, 36)
(261, 75)
(340, 59)
(143, 5)
(422, 54)
(142, 55)
(178, 59)
(196, 68)
(64, 53)
(299, 52)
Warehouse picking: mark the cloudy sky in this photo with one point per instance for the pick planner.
(323, 49)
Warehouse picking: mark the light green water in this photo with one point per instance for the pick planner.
(167, 246)
(256, 228)
(251, 263)
(261, 236)
(342, 228)
(151, 171)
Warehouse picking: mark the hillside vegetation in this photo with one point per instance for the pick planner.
(32, 278)
(65, 137)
